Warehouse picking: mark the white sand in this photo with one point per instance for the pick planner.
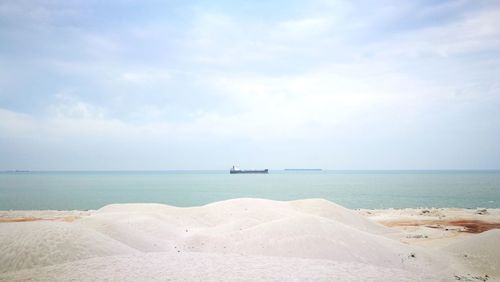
(479, 254)
(241, 239)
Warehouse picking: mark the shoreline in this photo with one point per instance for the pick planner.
(387, 216)
(279, 240)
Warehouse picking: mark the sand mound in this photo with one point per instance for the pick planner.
(30, 244)
(277, 237)
(250, 210)
(213, 267)
(302, 236)
(315, 229)
(327, 209)
(142, 232)
(479, 252)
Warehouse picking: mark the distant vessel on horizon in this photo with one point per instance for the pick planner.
(235, 170)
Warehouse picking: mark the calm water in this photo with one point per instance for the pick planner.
(353, 189)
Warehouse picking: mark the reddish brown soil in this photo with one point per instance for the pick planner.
(469, 226)
(475, 226)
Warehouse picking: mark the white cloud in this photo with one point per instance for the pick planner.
(304, 28)
(324, 77)
(280, 107)
(13, 124)
(69, 107)
(146, 76)
(477, 32)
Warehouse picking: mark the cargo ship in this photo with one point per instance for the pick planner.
(235, 170)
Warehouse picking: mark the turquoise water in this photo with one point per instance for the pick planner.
(353, 189)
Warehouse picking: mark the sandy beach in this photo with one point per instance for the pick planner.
(250, 240)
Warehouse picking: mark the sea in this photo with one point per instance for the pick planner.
(85, 190)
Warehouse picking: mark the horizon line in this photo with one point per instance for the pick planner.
(271, 169)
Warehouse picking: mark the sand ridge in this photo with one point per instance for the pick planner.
(221, 239)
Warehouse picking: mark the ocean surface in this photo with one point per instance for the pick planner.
(352, 189)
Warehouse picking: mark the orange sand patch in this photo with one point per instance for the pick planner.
(69, 218)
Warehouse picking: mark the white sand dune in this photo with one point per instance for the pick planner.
(190, 266)
(241, 239)
(32, 244)
(306, 229)
(480, 253)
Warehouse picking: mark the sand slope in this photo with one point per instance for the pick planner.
(480, 253)
(212, 267)
(241, 239)
(30, 244)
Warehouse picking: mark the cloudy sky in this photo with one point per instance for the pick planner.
(276, 84)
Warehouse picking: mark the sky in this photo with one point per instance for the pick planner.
(154, 85)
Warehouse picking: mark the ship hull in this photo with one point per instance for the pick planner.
(248, 171)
